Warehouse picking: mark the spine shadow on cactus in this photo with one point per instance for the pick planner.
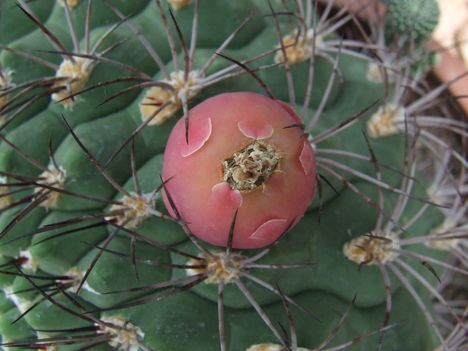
(96, 249)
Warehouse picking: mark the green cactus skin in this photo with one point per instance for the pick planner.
(127, 301)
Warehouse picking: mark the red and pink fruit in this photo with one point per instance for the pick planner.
(243, 153)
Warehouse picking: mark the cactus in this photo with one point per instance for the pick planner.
(416, 18)
(103, 241)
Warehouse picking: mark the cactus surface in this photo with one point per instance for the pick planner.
(97, 251)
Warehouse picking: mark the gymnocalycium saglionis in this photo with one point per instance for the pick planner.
(312, 194)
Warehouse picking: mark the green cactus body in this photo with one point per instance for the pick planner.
(91, 256)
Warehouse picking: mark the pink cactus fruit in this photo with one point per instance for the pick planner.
(240, 156)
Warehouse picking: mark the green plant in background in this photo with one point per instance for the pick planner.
(416, 19)
(92, 259)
